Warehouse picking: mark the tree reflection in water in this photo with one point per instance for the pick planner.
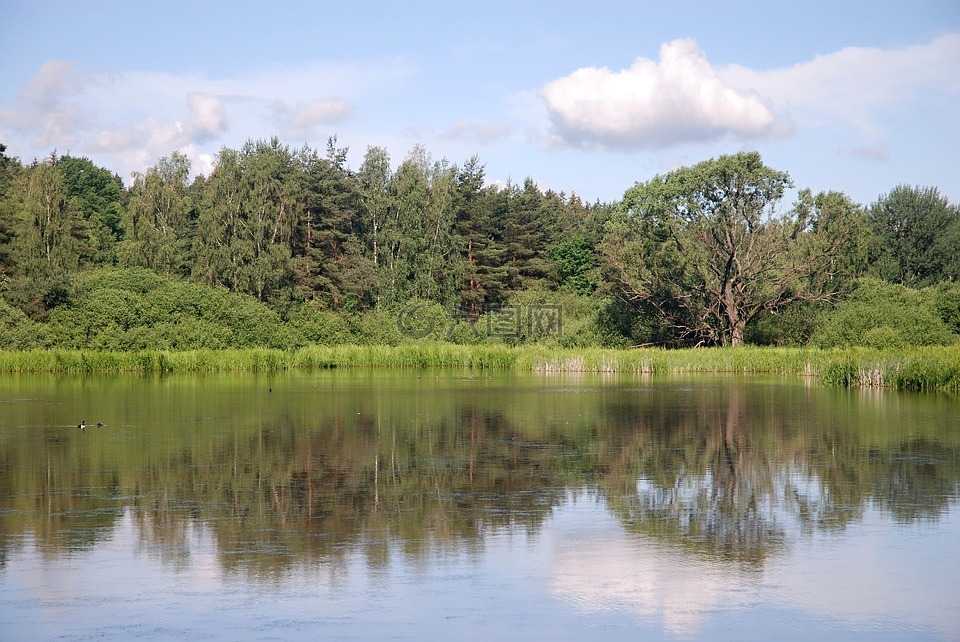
(718, 467)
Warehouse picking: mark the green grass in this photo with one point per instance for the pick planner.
(928, 368)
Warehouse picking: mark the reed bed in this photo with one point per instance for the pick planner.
(929, 368)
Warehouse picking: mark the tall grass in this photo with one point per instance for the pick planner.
(656, 361)
(920, 368)
(928, 368)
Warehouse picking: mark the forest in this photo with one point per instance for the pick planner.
(285, 248)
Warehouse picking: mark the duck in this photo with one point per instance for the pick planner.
(82, 425)
(100, 424)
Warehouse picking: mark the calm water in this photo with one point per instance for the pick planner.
(436, 505)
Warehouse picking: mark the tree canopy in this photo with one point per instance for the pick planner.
(704, 255)
(918, 234)
(704, 249)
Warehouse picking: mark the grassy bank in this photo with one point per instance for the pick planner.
(914, 368)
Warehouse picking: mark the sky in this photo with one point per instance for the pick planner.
(582, 97)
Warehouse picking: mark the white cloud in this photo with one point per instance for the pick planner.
(299, 122)
(320, 111)
(854, 85)
(871, 152)
(476, 133)
(128, 120)
(682, 98)
(207, 115)
(652, 104)
(136, 146)
(615, 573)
(45, 108)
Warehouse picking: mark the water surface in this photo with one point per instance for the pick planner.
(372, 504)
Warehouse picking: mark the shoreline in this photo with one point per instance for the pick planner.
(921, 368)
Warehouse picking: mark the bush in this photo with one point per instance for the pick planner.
(551, 318)
(308, 324)
(882, 315)
(792, 326)
(946, 300)
(616, 324)
(420, 320)
(136, 309)
(376, 328)
(17, 331)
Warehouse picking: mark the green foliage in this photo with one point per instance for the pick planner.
(158, 222)
(620, 326)
(330, 262)
(10, 196)
(376, 327)
(793, 325)
(252, 204)
(96, 194)
(702, 253)
(309, 325)
(17, 331)
(417, 244)
(136, 309)
(37, 295)
(420, 320)
(50, 235)
(530, 228)
(919, 235)
(882, 315)
(576, 265)
(946, 300)
(285, 248)
(553, 318)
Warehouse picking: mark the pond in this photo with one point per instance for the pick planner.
(439, 504)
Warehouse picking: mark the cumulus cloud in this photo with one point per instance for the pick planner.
(45, 108)
(207, 115)
(683, 98)
(653, 104)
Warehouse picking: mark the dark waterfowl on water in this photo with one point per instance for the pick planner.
(82, 425)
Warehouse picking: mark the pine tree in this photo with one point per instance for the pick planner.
(331, 264)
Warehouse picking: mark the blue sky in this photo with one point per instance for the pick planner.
(584, 97)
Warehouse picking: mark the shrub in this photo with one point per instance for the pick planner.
(946, 300)
(882, 315)
(17, 331)
(136, 309)
(308, 324)
(794, 325)
(376, 328)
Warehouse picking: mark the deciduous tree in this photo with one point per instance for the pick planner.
(704, 249)
(919, 234)
(157, 221)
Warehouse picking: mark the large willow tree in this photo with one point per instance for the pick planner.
(703, 250)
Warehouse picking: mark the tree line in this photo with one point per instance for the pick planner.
(703, 255)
